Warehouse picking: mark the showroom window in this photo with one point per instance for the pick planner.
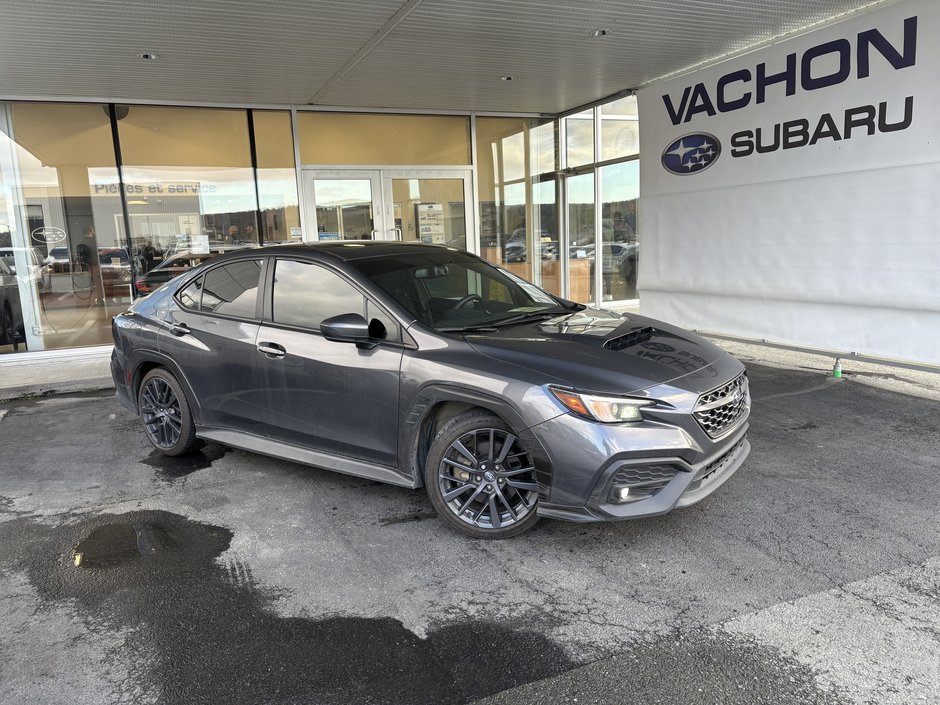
(516, 162)
(600, 195)
(60, 227)
(93, 196)
(276, 176)
(189, 179)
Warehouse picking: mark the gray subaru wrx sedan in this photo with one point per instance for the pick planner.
(421, 365)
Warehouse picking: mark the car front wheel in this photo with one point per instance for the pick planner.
(480, 478)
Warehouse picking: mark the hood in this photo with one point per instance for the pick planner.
(601, 351)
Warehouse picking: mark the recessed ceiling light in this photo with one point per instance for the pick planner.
(599, 33)
(507, 78)
(148, 56)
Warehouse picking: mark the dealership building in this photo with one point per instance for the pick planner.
(764, 171)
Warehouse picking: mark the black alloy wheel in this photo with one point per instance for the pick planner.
(165, 413)
(480, 478)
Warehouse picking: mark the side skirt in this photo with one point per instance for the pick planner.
(285, 451)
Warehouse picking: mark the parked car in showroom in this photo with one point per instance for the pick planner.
(515, 248)
(60, 260)
(38, 271)
(420, 365)
(115, 267)
(619, 259)
(170, 268)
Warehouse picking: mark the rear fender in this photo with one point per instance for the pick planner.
(141, 360)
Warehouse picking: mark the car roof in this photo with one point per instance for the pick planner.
(346, 250)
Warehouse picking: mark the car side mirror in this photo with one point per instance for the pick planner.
(348, 328)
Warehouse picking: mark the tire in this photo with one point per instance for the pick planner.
(480, 478)
(165, 414)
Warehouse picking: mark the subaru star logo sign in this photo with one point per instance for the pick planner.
(49, 235)
(691, 153)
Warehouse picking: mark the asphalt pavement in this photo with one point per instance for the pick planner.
(812, 576)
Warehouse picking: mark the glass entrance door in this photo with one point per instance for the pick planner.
(429, 206)
(425, 205)
(343, 205)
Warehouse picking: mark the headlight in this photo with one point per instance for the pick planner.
(605, 409)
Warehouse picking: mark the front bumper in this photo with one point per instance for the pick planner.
(589, 459)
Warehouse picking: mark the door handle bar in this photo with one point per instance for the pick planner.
(271, 349)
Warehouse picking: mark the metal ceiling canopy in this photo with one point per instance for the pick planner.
(418, 54)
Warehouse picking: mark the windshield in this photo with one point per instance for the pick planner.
(452, 290)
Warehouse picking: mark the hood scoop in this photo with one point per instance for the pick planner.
(634, 337)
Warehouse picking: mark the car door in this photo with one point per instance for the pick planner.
(211, 333)
(328, 396)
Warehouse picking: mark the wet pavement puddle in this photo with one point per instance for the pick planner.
(114, 544)
(214, 637)
(171, 468)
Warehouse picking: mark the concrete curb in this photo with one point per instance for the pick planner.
(93, 384)
(45, 375)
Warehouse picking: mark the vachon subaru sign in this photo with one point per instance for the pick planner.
(691, 153)
(824, 97)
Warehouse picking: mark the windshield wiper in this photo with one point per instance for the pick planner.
(493, 326)
(469, 329)
(528, 316)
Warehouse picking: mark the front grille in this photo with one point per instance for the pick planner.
(720, 409)
(641, 335)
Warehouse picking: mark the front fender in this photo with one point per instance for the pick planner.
(419, 414)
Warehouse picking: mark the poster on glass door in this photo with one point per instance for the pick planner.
(430, 219)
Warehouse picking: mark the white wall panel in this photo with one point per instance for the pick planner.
(835, 245)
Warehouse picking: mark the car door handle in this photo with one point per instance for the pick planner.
(271, 350)
(179, 329)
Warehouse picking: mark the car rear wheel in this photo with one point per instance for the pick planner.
(165, 413)
(480, 478)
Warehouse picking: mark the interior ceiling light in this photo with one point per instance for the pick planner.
(148, 56)
(507, 78)
(599, 33)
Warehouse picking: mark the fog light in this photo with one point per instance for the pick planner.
(621, 494)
